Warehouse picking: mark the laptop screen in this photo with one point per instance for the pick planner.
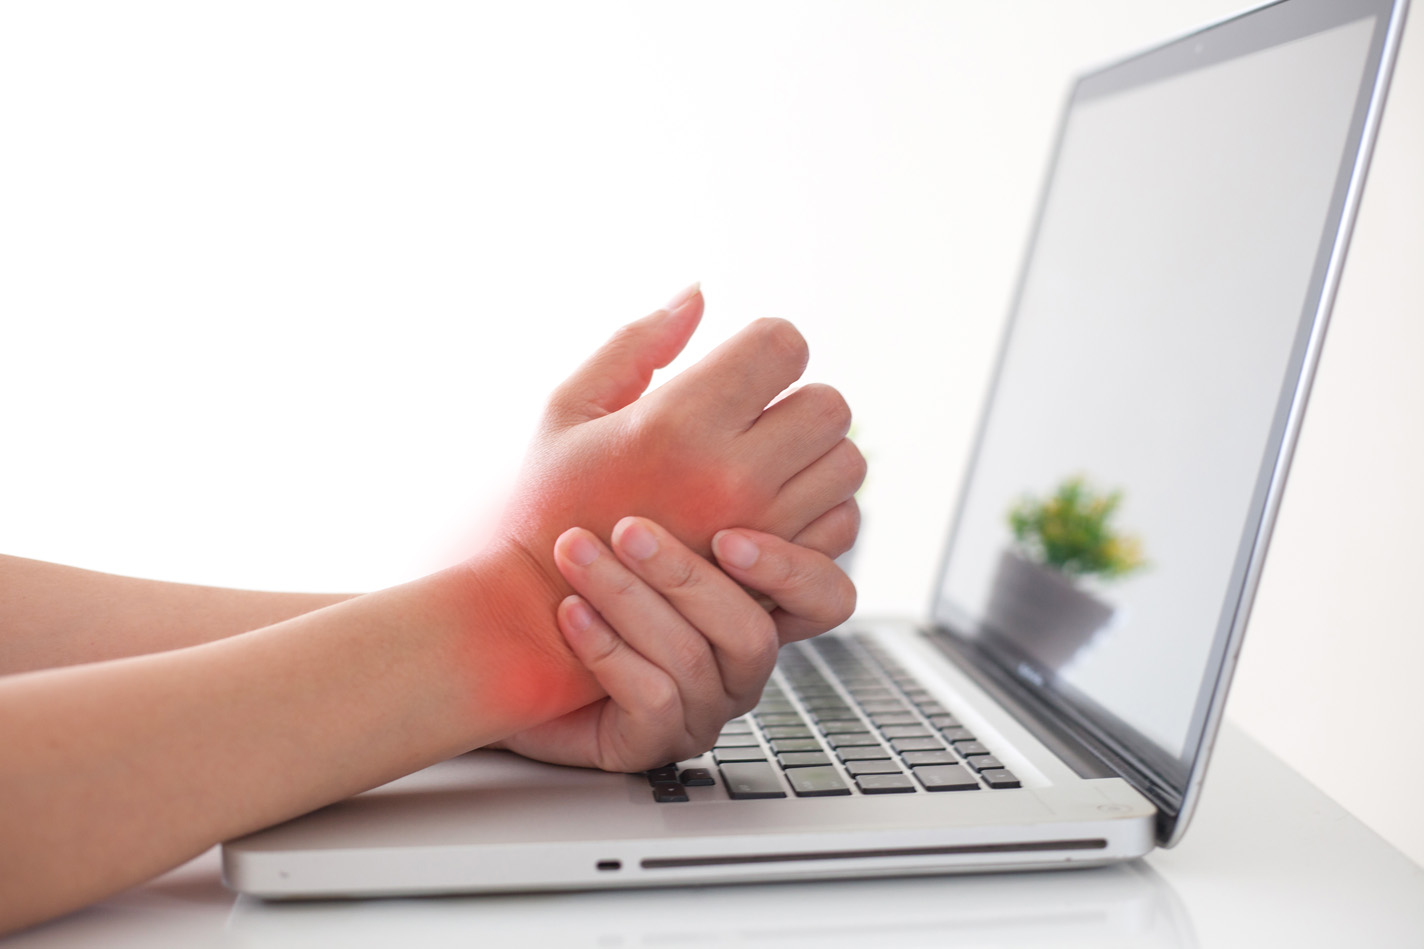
(1114, 506)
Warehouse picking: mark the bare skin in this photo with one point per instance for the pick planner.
(146, 741)
(55, 615)
(678, 646)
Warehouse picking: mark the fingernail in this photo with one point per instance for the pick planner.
(683, 298)
(581, 550)
(634, 539)
(579, 616)
(735, 550)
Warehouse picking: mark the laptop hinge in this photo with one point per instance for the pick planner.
(1088, 755)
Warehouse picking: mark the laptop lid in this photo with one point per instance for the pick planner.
(1114, 520)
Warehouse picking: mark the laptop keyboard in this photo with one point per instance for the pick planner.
(839, 717)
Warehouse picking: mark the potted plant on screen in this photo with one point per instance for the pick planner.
(1063, 544)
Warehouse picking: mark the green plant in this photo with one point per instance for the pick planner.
(1070, 531)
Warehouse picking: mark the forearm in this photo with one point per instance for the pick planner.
(113, 772)
(53, 615)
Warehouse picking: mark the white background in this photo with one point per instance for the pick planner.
(282, 286)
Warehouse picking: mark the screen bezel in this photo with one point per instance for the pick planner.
(1173, 781)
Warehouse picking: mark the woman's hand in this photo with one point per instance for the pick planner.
(712, 447)
(679, 646)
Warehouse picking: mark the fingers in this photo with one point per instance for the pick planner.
(678, 645)
(812, 594)
(645, 727)
(731, 385)
(830, 480)
(620, 371)
(821, 486)
(834, 532)
(742, 638)
(800, 428)
(674, 608)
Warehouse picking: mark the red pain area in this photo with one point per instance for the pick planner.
(691, 479)
(516, 667)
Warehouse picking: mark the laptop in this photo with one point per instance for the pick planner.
(1058, 706)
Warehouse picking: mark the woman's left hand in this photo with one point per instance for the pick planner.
(679, 643)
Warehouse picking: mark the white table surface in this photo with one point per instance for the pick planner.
(1269, 861)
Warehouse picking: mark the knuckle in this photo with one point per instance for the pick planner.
(831, 408)
(763, 644)
(852, 463)
(843, 600)
(679, 574)
(662, 701)
(793, 573)
(753, 651)
(622, 585)
(642, 427)
(656, 432)
(843, 527)
(782, 337)
(605, 652)
(744, 484)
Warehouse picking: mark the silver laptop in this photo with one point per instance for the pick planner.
(1059, 706)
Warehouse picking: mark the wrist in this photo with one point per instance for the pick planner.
(518, 669)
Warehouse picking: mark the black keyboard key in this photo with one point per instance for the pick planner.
(751, 779)
(957, 733)
(696, 778)
(821, 702)
(724, 755)
(803, 759)
(862, 753)
(946, 777)
(844, 714)
(666, 792)
(999, 778)
(933, 709)
(787, 731)
(883, 766)
(983, 762)
(816, 782)
(737, 726)
(905, 731)
(852, 739)
(969, 748)
(783, 745)
(842, 728)
(917, 744)
(667, 772)
(916, 758)
(943, 721)
(884, 784)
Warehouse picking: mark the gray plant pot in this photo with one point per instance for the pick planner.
(1042, 611)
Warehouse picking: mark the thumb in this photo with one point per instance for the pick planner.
(621, 369)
